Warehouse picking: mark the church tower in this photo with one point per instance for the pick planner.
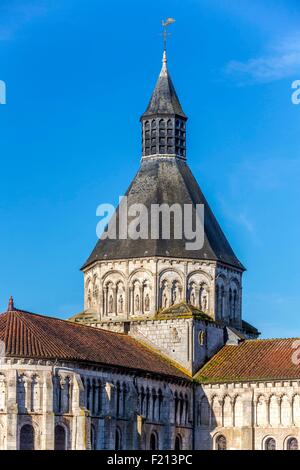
(183, 302)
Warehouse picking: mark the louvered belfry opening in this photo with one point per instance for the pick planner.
(164, 136)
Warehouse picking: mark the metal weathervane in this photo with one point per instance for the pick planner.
(165, 33)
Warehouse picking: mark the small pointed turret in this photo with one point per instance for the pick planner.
(164, 99)
(164, 122)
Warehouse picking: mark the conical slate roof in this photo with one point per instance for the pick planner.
(167, 181)
(164, 100)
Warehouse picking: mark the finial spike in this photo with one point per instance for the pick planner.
(11, 306)
(164, 70)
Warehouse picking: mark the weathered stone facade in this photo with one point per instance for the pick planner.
(132, 289)
(69, 407)
(73, 408)
(127, 295)
(250, 416)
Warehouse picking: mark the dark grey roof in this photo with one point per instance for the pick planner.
(164, 99)
(167, 180)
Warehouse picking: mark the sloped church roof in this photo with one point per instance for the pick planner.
(33, 336)
(166, 180)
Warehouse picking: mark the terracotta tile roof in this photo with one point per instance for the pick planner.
(252, 360)
(28, 335)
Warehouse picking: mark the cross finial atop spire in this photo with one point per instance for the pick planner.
(165, 24)
(11, 306)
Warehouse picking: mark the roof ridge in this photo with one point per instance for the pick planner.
(270, 339)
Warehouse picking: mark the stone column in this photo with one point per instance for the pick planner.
(141, 299)
(156, 289)
(100, 302)
(115, 305)
(167, 416)
(170, 300)
(109, 420)
(106, 301)
(130, 301)
(81, 427)
(247, 431)
(12, 411)
(197, 296)
(47, 440)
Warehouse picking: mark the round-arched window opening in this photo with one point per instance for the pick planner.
(221, 443)
(178, 443)
(292, 444)
(27, 437)
(60, 438)
(270, 444)
(153, 442)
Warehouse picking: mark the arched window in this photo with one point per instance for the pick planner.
(270, 444)
(153, 441)
(292, 444)
(118, 440)
(60, 438)
(221, 443)
(27, 437)
(178, 442)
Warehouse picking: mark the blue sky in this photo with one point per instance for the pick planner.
(79, 77)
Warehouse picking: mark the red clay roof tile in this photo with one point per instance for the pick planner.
(35, 336)
(252, 360)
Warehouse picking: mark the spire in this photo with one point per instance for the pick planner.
(11, 306)
(164, 122)
(164, 99)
